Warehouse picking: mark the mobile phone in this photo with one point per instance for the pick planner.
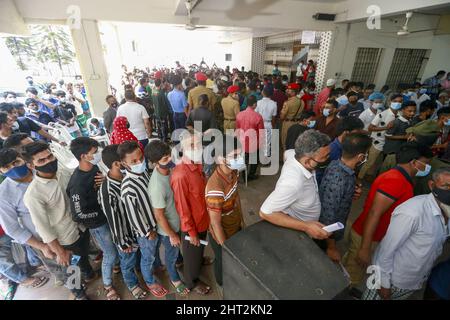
(74, 260)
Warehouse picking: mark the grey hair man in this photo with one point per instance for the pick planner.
(295, 202)
(413, 242)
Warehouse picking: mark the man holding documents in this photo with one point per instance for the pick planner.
(188, 184)
(295, 202)
(338, 188)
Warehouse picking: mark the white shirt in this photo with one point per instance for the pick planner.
(295, 194)
(267, 108)
(366, 103)
(289, 154)
(367, 117)
(413, 242)
(381, 120)
(135, 113)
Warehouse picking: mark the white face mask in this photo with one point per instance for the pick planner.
(378, 106)
(195, 155)
(15, 126)
(138, 168)
(97, 158)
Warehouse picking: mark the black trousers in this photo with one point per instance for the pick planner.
(193, 260)
(252, 167)
(81, 248)
(218, 272)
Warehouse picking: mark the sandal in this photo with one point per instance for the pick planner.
(202, 289)
(37, 283)
(157, 290)
(181, 289)
(11, 292)
(138, 293)
(111, 293)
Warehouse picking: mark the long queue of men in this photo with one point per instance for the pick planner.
(145, 200)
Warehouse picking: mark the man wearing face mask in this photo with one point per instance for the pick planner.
(382, 122)
(295, 202)
(414, 241)
(161, 195)
(338, 188)
(47, 201)
(36, 115)
(328, 121)
(291, 109)
(389, 190)
(110, 114)
(222, 199)
(188, 184)
(376, 106)
(139, 212)
(66, 114)
(86, 210)
(433, 84)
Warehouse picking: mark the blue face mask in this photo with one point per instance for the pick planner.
(168, 165)
(236, 164)
(424, 172)
(312, 123)
(17, 172)
(447, 123)
(326, 112)
(139, 168)
(422, 91)
(396, 105)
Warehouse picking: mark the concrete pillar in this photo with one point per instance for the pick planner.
(322, 61)
(89, 53)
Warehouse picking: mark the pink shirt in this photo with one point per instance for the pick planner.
(250, 129)
(321, 99)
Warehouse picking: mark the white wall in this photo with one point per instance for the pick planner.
(348, 37)
(241, 54)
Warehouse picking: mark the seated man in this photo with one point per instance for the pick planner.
(295, 202)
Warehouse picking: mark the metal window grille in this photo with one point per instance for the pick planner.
(366, 65)
(405, 66)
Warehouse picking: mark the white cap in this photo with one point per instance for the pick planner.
(224, 78)
(331, 82)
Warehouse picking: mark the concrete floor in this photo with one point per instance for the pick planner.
(252, 198)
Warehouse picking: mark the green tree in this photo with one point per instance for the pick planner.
(22, 49)
(53, 44)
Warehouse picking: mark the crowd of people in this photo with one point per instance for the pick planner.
(150, 187)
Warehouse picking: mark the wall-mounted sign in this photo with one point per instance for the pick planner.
(308, 37)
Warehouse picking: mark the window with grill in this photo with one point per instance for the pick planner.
(366, 65)
(406, 66)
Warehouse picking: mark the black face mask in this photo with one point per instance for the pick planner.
(322, 165)
(442, 195)
(50, 167)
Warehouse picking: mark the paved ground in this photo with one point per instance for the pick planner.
(252, 197)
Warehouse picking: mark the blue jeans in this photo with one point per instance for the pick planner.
(149, 252)
(8, 266)
(127, 264)
(102, 236)
(171, 258)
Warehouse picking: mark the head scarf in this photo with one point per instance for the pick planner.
(120, 131)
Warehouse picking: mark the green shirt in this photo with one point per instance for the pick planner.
(161, 196)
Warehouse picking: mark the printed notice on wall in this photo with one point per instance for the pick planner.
(308, 37)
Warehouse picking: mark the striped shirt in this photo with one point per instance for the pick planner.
(114, 209)
(135, 196)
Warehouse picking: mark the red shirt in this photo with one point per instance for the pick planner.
(321, 99)
(2, 233)
(395, 184)
(280, 98)
(250, 129)
(307, 99)
(188, 184)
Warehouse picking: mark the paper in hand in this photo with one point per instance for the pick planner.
(333, 227)
(203, 242)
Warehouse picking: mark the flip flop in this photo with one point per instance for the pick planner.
(11, 292)
(180, 289)
(37, 283)
(138, 293)
(157, 290)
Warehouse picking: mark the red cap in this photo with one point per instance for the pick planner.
(158, 75)
(233, 89)
(293, 86)
(199, 76)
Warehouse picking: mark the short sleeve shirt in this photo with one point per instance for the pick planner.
(296, 193)
(135, 114)
(161, 196)
(381, 120)
(399, 129)
(395, 184)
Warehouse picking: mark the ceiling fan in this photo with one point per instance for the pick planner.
(404, 31)
(190, 25)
